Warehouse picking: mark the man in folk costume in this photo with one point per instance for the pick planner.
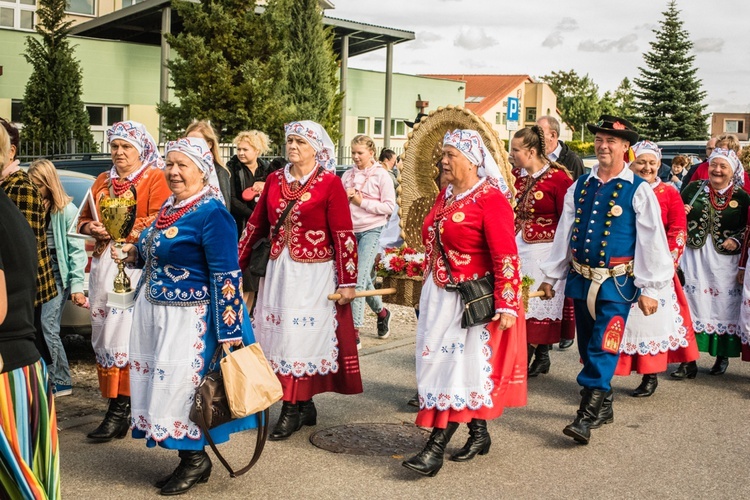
(611, 246)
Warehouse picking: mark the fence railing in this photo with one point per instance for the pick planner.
(29, 151)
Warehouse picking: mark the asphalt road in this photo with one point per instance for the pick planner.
(689, 440)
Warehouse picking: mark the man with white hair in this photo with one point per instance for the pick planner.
(556, 150)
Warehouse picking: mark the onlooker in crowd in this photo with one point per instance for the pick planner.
(391, 235)
(309, 341)
(180, 333)
(372, 199)
(611, 245)
(68, 258)
(678, 171)
(540, 190)
(29, 454)
(717, 217)
(710, 146)
(203, 130)
(135, 173)
(21, 191)
(468, 375)
(651, 342)
(249, 172)
(725, 141)
(557, 150)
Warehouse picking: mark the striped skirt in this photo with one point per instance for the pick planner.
(29, 454)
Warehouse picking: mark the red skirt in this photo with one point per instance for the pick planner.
(509, 374)
(347, 380)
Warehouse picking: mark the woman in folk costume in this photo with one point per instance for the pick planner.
(649, 343)
(540, 190)
(189, 303)
(468, 374)
(136, 172)
(309, 340)
(717, 211)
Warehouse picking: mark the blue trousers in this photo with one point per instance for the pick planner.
(598, 364)
(367, 248)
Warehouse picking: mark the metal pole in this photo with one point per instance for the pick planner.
(166, 27)
(388, 95)
(342, 88)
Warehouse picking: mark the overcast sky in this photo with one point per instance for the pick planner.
(603, 38)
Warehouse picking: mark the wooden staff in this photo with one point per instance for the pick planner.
(366, 293)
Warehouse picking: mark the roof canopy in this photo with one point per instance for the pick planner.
(141, 23)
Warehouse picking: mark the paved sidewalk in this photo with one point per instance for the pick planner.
(689, 440)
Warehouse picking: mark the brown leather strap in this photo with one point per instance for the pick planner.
(260, 443)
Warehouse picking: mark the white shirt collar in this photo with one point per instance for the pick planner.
(536, 174)
(290, 178)
(449, 190)
(554, 155)
(626, 174)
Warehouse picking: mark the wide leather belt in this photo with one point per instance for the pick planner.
(599, 275)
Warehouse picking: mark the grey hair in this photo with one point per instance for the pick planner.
(552, 123)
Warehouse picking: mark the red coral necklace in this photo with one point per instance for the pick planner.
(165, 220)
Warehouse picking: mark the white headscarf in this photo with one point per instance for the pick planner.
(318, 138)
(731, 157)
(136, 134)
(199, 153)
(646, 147)
(471, 145)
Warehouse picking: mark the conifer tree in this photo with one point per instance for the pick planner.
(53, 110)
(669, 96)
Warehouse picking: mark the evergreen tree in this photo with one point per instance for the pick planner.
(621, 102)
(53, 111)
(312, 83)
(669, 97)
(577, 99)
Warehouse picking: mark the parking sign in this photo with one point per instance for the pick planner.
(512, 112)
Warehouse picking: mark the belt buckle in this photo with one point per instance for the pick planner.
(618, 270)
(586, 271)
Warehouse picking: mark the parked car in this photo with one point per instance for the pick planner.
(87, 163)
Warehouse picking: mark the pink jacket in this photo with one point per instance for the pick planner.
(378, 196)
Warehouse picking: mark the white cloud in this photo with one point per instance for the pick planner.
(553, 40)
(624, 44)
(567, 24)
(708, 45)
(424, 40)
(473, 39)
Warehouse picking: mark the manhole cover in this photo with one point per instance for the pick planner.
(371, 439)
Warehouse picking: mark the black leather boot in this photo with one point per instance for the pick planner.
(647, 387)
(479, 442)
(685, 370)
(530, 350)
(116, 422)
(429, 461)
(289, 422)
(591, 404)
(308, 415)
(414, 401)
(720, 367)
(194, 468)
(606, 413)
(541, 362)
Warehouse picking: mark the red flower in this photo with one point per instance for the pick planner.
(408, 251)
(398, 264)
(618, 126)
(414, 269)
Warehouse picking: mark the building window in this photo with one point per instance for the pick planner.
(530, 114)
(85, 7)
(501, 118)
(398, 128)
(362, 125)
(17, 14)
(16, 110)
(377, 129)
(474, 99)
(734, 126)
(102, 117)
(128, 3)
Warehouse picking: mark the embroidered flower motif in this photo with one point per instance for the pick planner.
(349, 244)
(229, 316)
(228, 290)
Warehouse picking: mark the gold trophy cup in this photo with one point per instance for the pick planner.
(118, 218)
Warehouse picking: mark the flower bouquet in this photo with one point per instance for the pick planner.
(403, 269)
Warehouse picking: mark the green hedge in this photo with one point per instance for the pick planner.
(582, 148)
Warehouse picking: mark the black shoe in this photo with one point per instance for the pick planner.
(383, 330)
(647, 387)
(414, 401)
(685, 370)
(591, 404)
(194, 468)
(606, 413)
(541, 362)
(289, 422)
(530, 350)
(479, 442)
(308, 415)
(116, 422)
(429, 461)
(720, 367)
(565, 344)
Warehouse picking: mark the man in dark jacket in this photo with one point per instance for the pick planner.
(557, 150)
